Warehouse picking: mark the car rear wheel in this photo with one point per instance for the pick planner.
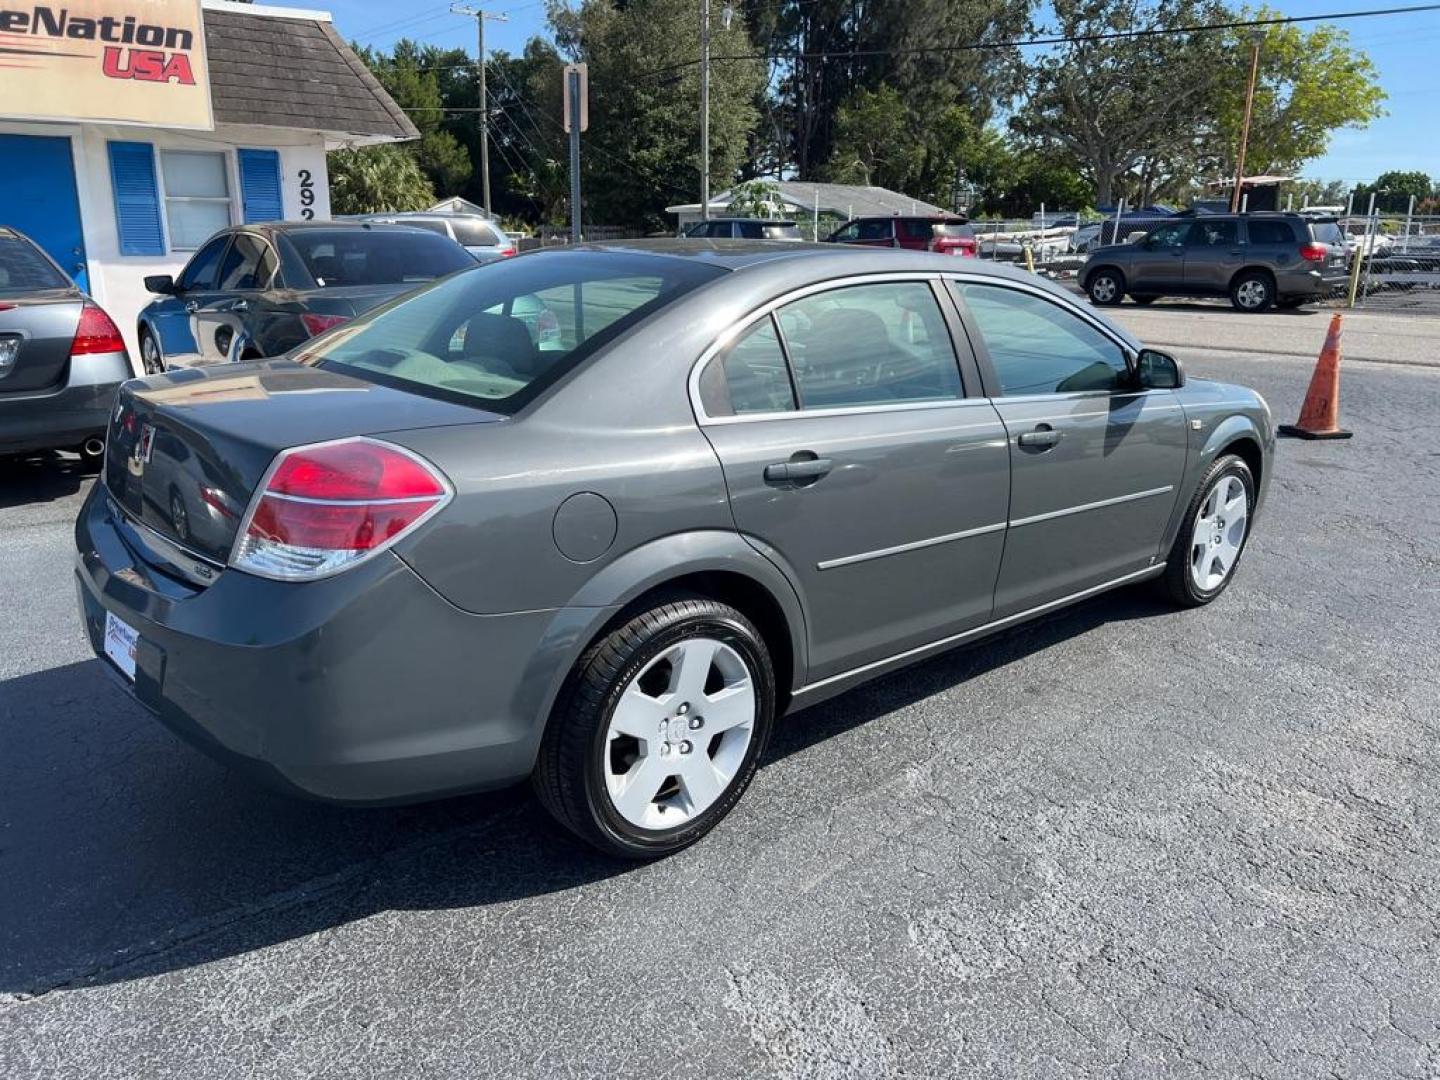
(1252, 292)
(660, 729)
(150, 358)
(1106, 287)
(1213, 534)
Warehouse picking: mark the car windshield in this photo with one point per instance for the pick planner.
(496, 337)
(376, 257)
(23, 268)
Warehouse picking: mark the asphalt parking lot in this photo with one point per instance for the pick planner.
(1125, 842)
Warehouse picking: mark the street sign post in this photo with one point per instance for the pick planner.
(577, 119)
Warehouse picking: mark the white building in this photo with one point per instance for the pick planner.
(114, 200)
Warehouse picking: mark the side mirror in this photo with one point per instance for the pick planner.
(163, 284)
(1156, 370)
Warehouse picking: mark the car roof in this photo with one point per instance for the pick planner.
(756, 220)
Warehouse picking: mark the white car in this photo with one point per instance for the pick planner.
(479, 236)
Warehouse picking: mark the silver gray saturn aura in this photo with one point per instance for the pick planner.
(598, 517)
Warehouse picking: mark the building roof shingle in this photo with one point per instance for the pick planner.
(295, 73)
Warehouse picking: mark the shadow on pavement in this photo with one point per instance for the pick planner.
(125, 854)
(41, 478)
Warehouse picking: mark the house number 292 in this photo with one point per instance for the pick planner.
(307, 195)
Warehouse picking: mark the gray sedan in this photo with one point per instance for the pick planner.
(444, 553)
(61, 357)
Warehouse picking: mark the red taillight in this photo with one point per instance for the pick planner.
(1314, 252)
(96, 333)
(328, 506)
(318, 324)
(506, 252)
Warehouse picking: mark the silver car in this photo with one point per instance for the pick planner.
(598, 517)
(479, 236)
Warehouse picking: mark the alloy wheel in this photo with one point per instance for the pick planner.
(1219, 533)
(1103, 289)
(1252, 294)
(150, 355)
(679, 733)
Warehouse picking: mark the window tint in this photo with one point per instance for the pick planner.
(201, 272)
(750, 230)
(915, 229)
(1271, 232)
(873, 230)
(1168, 236)
(1037, 347)
(382, 257)
(497, 336)
(248, 264)
(870, 345)
(473, 233)
(22, 267)
(748, 377)
(1213, 234)
(848, 233)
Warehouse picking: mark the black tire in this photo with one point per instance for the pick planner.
(1177, 581)
(151, 364)
(1106, 287)
(568, 771)
(1252, 292)
(1143, 300)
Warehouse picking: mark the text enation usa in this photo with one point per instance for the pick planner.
(140, 50)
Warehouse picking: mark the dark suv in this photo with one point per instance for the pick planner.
(947, 235)
(1258, 260)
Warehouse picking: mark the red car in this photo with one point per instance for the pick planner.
(947, 235)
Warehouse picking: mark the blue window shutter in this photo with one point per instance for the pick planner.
(260, 185)
(137, 200)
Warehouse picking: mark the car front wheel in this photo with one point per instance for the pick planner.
(660, 729)
(1106, 287)
(150, 358)
(1213, 534)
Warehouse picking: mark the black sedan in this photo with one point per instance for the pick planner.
(61, 356)
(259, 290)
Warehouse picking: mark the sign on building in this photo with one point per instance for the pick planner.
(125, 61)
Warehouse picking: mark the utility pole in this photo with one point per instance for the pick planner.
(1255, 40)
(726, 15)
(480, 17)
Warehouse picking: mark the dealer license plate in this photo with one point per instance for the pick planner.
(120, 639)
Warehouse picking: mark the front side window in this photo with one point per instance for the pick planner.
(248, 264)
(197, 196)
(882, 344)
(202, 270)
(873, 230)
(497, 336)
(1168, 236)
(1038, 347)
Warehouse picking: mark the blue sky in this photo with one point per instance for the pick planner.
(1404, 48)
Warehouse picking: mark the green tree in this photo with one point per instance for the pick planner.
(412, 75)
(755, 198)
(642, 147)
(1311, 84)
(874, 142)
(373, 179)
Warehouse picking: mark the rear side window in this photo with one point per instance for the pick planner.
(497, 336)
(23, 268)
(913, 229)
(1206, 233)
(1271, 232)
(474, 233)
(882, 344)
(249, 264)
(1038, 347)
(782, 232)
(380, 257)
(749, 377)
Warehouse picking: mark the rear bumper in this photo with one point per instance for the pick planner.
(64, 417)
(1319, 282)
(366, 687)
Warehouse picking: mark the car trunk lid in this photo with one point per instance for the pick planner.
(186, 450)
(36, 332)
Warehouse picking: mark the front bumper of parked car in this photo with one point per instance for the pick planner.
(365, 687)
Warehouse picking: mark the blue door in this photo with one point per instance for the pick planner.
(37, 196)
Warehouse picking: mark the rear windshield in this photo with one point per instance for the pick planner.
(497, 336)
(379, 257)
(23, 268)
(1327, 232)
(474, 233)
(964, 232)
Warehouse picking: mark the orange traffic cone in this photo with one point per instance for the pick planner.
(1320, 414)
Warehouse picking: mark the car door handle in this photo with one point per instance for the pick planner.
(240, 305)
(1042, 437)
(192, 306)
(785, 472)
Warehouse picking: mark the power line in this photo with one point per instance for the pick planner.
(1058, 39)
